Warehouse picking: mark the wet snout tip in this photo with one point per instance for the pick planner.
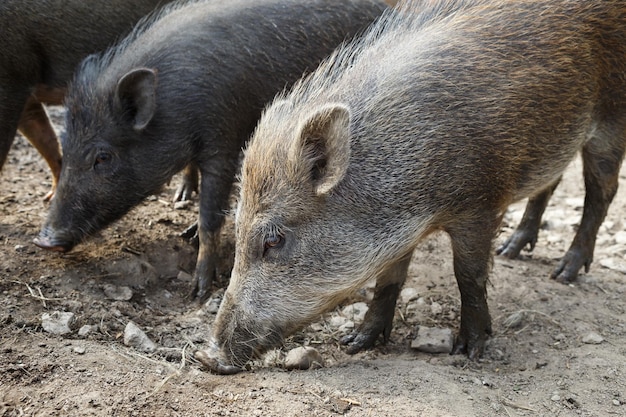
(214, 365)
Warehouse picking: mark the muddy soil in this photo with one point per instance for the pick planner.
(557, 350)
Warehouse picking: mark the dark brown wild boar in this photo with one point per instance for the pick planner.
(186, 88)
(442, 115)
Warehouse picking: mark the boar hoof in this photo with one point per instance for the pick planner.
(358, 341)
(213, 365)
(572, 262)
(473, 349)
(516, 243)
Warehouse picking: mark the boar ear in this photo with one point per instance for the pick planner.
(136, 96)
(323, 146)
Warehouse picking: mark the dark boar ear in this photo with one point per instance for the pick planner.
(136, 96)
(323, 146)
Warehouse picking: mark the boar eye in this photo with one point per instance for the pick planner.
(101, 158)
(273, 242)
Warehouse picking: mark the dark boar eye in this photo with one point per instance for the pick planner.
(102, 158)
(274, 241)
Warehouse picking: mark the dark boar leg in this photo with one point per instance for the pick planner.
(12, 101)
(214, 193)
(528, 229)
(35, 126)
(471, 248)
(379, 318)
(601, 164)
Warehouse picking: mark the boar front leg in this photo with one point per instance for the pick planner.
(471, 249)
(379, 318)
(214, 192)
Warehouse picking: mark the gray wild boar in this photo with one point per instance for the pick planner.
(442, 115)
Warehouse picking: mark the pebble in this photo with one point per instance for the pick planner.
(182, 205)
(620, 237)
(408, 294)
(614, 264)
(79, 349)
(355, 312)
(433, 340)
(337, 321)
(592, 339)
(184, 276)
(57, 322)
(86, 329)
(135, 337)
(515, 320)
(436, 308)
(303, 357)
(556, 397)
(121, 293)
(616, 402)
(212, 305)
(346, 327)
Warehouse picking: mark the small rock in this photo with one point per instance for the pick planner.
(436, 308)
(620, 237)
(79, 349)
(592, 339)
(556, 397)
(514, 320)
(122, 293)
(182, 205)
(355, 312)
(303, 357)
(212, 305)
(57, 322)
(135, 337)
(408, 294)
(184, 276)
(559, 337)
(433, 340)
(614, 264)
(346, 327)
(337, 321)
(616, 402)
(19, 248)
(86, 329)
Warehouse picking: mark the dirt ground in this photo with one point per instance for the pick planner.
(557, 350)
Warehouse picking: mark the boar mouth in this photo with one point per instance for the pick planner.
(48, 240)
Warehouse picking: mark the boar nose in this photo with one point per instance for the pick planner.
(52, 241)
(211, 358)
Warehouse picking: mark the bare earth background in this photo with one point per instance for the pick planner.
(557, 350)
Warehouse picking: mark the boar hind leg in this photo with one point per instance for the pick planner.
(188, 184)
(379, 318)
(528, 229)
(602, 158)
(471, 248)
(35, 126)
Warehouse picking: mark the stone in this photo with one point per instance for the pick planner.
(121, 293)
(433, 340)
(592, 339)
(135, 337)
(57, 322)
(408, 294)
(355, 312)
(303, 357)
